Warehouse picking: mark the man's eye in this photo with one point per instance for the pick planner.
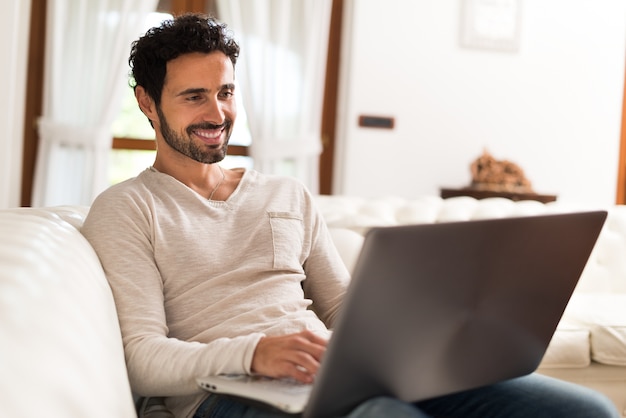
(227, 94)
(193, 98)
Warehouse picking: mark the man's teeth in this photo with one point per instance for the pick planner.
(210, 135)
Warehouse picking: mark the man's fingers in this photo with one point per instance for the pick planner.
(311, 344)
(297, 356)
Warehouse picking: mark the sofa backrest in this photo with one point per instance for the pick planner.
(605, 270)
(61, 351)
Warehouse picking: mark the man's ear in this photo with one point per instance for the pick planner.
(146, 104)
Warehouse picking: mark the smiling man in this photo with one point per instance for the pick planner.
(233, 271)
(213, 270)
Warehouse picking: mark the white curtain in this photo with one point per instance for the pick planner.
(281, 71)
(86, 71)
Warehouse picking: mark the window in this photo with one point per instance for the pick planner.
(135, 148)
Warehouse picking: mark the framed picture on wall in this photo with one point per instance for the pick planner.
(491, 24)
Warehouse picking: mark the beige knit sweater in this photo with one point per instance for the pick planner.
(197, 283)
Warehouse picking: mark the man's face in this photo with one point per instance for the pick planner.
(198, 108)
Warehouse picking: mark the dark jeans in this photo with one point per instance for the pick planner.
(533, 396)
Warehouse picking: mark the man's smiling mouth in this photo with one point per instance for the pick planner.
(209, 133)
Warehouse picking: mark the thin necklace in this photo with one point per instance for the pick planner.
(219, 183)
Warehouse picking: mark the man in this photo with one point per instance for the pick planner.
(231, 271)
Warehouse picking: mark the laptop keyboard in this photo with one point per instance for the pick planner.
(291, 386)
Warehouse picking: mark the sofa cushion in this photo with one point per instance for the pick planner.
(61, 353)
(569, 347)
(605, 317)
(348, 244)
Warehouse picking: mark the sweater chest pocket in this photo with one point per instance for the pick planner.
(287, 240)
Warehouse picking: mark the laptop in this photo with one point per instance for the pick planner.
(435, 309)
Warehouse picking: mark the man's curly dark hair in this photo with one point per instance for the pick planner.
(174, 37)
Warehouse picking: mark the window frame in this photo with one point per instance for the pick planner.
(34, 93)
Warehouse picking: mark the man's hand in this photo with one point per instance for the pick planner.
(296, 355)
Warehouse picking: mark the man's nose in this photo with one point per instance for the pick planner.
(214, 112)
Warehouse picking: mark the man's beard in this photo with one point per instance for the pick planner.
(205, 154)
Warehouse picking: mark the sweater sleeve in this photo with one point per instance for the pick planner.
(327, 277)
(120, 230)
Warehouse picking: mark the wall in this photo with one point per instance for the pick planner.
(553, 107)
(14, 22)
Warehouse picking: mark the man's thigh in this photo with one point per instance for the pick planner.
(534, 396)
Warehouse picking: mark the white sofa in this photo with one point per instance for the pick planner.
(60, 344)
(61, 351)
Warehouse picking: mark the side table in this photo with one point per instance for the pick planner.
(482, 194)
